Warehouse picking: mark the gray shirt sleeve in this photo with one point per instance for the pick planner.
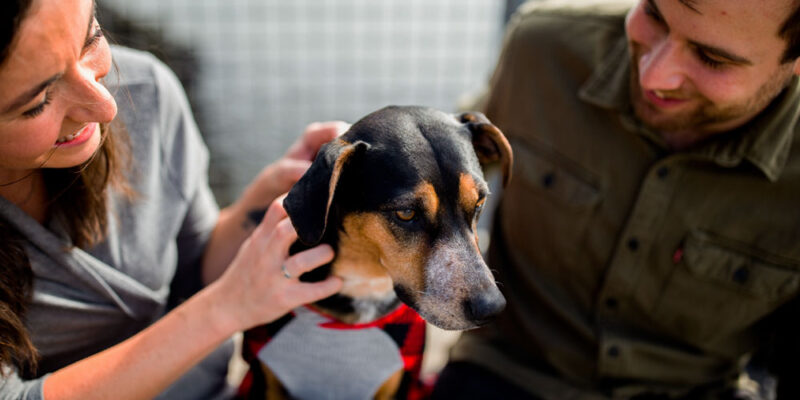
(13, 387)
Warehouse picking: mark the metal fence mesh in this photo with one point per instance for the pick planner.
(263, 69)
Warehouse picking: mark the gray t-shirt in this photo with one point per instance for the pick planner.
(86, 301)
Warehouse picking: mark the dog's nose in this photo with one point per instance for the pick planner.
(482, 307)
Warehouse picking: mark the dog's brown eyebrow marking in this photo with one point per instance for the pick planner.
(468, 198)
(468, 194)
(426, 193)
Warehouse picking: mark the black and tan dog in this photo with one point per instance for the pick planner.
(398, 197)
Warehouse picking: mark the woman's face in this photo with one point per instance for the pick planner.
(51, 100)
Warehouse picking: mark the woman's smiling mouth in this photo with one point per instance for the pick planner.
(78, 137)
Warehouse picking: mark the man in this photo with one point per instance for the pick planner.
(649, 242)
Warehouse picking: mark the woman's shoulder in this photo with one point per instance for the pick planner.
(143, 85)
(131, 67)
(138, 68)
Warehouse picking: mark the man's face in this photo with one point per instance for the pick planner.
(701, 67)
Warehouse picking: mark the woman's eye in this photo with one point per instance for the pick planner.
(94, 38)
(405, 215)
(39, 108)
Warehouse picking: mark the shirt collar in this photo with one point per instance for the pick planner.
(765, 141)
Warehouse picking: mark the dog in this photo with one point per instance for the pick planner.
(397, 197)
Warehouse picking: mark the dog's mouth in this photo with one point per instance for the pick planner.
(450, 314)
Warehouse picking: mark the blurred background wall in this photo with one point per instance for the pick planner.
(258, 71)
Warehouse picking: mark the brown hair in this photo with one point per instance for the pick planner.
(78, 197)
(790, 30)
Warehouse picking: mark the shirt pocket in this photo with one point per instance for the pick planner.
(548, 205)
(723, 286)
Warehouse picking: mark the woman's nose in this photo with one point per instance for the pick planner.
(90, 100)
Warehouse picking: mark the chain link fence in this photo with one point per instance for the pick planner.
(258, 71)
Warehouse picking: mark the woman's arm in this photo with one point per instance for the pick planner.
(253, 290)
(233, 225)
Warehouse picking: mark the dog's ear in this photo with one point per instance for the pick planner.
(489, 142)
(309, 200)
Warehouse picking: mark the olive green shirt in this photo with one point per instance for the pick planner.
(628, 268)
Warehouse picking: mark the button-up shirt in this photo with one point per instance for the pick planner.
(628, 267)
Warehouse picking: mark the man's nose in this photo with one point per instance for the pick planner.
(661, 67)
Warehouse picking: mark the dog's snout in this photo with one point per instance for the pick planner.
(482, 307)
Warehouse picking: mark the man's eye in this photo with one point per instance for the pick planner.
(708, 60)
(652, 13)
(405, 215)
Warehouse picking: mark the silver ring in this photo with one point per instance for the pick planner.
(285, 272)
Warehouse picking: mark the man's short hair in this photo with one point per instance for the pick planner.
(790, 30)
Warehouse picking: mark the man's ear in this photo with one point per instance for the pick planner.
(309, 201)
(797, 66)
(489, 142)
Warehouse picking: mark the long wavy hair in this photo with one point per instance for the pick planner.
(77, 196)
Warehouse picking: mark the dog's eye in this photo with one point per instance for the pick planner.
(479, 205)
(405, 215)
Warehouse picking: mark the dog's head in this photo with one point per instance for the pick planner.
(399, 196)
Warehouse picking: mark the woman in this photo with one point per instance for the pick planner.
(102, 236)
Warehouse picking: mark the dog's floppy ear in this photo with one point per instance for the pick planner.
(309, 200)
(489, 143)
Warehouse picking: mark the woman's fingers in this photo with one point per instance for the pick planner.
(275, 213)
(281, 239)
(311, 292)
(315, 135)
(264, 264)
(287, 171)
(308, 260)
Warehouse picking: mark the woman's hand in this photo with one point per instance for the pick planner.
(278, 177)
(255, 290)
(234, 224)
(252, 291)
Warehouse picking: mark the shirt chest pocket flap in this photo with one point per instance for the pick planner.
(724, 286)
(549, 202)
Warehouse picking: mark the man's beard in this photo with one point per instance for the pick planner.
(704, 117)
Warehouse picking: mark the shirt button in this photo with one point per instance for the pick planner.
(633, 244)
(612, 303)
(613, 351)
(549, 179)
(741, 275)
(662, 172)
